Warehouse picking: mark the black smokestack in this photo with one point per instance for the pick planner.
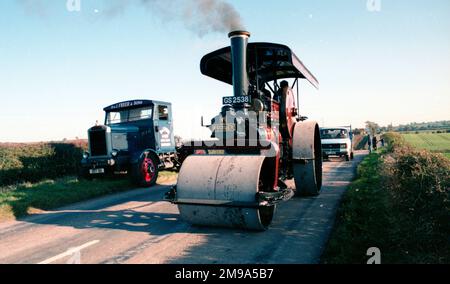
(239, 40)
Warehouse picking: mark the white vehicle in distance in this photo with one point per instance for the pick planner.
(337, 142)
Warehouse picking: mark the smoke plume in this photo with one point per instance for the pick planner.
(204, 16)
(199, 16)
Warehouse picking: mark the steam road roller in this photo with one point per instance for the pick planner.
(259, 141)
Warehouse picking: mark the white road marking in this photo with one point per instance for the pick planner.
(69, 252)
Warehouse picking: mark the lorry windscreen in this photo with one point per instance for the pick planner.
(128, 115)
(333, 133)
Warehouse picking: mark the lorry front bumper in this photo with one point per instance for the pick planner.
(103, 165)
(96, 166)
(335, 152)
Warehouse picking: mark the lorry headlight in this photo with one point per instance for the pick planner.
(85, 155)
(343, 146)
(114, 153)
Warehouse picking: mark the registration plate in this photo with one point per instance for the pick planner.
(236, 100)
(331, 153)
(97, 171)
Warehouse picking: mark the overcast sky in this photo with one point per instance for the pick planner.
(58, 68)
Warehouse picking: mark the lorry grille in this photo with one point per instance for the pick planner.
(331, 146)
(97, 142)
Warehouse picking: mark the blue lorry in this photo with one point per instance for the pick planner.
(136, 139)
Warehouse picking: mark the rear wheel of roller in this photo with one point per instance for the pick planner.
(307, 158)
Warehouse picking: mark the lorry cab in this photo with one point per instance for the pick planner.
(337, 141)
(131, 130)
(148, 122)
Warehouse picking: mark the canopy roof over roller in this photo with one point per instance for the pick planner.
(270, 61)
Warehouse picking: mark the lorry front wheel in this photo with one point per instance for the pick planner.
(347, 158)
(145, 172)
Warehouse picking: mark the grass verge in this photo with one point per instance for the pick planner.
(363, 218)
(21, 200)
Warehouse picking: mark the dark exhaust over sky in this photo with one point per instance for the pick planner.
(200, 16)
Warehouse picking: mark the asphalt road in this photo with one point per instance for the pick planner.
(137, 227)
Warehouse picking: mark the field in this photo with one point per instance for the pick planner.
(433, 142)
(360, 142)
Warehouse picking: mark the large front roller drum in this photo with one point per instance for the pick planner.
(220, 191)
(307, 158)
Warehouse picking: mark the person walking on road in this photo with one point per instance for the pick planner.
(374, 143)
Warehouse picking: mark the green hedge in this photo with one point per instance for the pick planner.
(419, 186)
(400, 203)
(35, 162)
